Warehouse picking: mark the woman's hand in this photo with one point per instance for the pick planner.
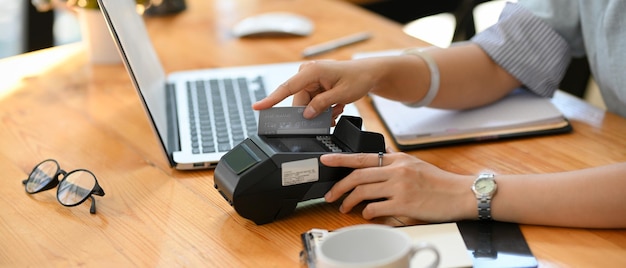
(403, 186)
(323, 84)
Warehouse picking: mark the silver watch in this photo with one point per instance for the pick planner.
(484, 188)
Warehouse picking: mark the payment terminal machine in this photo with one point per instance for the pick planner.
(266, 176)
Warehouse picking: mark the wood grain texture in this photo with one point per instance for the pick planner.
(53, 104)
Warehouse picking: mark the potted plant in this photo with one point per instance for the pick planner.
(94, 31)
(95, 34)
(147, 7)
(88, 4)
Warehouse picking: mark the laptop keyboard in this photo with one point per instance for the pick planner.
(220, 112)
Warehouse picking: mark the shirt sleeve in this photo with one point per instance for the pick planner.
(527, 48)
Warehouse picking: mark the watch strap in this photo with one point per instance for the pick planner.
(484, 208)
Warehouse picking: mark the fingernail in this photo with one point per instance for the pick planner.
(327, 196)
(341, 209)
(309, 112)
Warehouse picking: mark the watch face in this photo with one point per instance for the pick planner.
(484, 186)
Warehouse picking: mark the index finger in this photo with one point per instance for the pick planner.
(282, 92)
(293, 85)
(355, 160)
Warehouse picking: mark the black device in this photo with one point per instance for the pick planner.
(265, 176)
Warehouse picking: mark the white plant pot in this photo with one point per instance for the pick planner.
(95, 35)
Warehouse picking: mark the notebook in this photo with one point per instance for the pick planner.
(519, 114)
(198, 115)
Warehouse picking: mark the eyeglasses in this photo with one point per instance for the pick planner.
(75, 187)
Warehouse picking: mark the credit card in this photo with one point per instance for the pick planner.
(289, 120)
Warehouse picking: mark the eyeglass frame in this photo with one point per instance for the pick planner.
(54, 182)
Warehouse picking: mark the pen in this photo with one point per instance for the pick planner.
(334, 44)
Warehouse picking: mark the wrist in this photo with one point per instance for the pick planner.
(468, 203)
(465, 201)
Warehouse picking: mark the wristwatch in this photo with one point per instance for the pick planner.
(484, 188)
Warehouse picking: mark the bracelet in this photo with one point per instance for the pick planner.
(434, 77)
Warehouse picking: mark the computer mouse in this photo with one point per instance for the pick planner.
(273, 24)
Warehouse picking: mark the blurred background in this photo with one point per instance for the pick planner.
(439, 22)
(25, 29)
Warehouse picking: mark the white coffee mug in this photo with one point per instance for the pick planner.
(370, 246)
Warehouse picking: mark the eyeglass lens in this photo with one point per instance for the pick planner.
(75, 187)
(41, 176)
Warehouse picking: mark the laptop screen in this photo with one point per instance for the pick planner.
(143, 65)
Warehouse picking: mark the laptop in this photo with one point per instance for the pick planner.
(197, 115)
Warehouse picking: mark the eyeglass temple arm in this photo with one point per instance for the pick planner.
(92, 209)
(97, 191)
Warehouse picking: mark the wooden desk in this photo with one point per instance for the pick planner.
(55, 105)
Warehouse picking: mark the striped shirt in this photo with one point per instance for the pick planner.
(535, 40)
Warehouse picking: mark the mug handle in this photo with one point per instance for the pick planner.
(426, 246)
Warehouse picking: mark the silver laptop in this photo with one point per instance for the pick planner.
(198, 115)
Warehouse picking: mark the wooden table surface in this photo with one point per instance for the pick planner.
(54, 104)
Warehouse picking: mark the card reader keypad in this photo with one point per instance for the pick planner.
(326, 140)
